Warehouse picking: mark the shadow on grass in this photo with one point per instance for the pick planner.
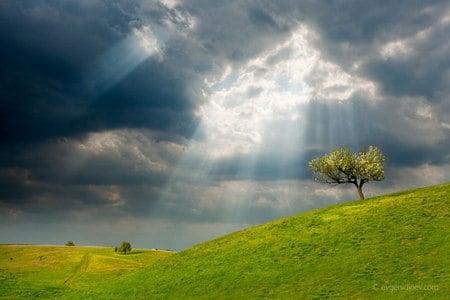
(131, 253)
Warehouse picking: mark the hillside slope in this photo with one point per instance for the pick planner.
(394, 246)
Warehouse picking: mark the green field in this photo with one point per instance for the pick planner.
(28, 271)
(390, 247)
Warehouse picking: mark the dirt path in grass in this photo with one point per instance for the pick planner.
(80, 270)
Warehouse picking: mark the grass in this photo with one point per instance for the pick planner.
(390, 247)
(30, 271)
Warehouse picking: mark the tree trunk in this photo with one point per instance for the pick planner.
(360, 192)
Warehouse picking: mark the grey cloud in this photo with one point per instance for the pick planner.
(235, 201)
(354, 31)
(422, 73)
(119, 172)
(236, 31)
(407, 138)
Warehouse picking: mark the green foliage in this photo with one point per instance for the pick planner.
(70, 243)
(124, 248)
(392, 247)
(343, 166)
(369, 164)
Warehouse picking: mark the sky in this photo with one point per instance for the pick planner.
(168, 123)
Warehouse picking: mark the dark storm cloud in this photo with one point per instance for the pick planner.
(117, 172)
(47, 46)
(13, 185)
(147, 98)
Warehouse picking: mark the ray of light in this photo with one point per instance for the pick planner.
(261, 124)
(119, 61)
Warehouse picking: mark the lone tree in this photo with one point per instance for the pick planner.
(342, 166)
(124, 248)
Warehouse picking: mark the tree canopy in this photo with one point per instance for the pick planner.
(342, 166)
(124, 248)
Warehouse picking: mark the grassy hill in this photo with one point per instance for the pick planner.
(395, 246)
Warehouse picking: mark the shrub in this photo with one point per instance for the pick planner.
(70, 243)
(124, 248)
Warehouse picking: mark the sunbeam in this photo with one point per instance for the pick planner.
(260, 125)
(249, 138)
(123, 58)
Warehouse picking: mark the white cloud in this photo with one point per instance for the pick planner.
(419, 119)
(396, 48)
(270, 88)
(405, 47)
(170, 3)
(140, 150)
(146, 39)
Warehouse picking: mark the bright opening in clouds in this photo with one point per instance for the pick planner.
(167, 123)
(265, 102)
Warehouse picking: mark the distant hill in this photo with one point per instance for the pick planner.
(389, 247)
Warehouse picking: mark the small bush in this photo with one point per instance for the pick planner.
(70, 243)
(124, 248)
